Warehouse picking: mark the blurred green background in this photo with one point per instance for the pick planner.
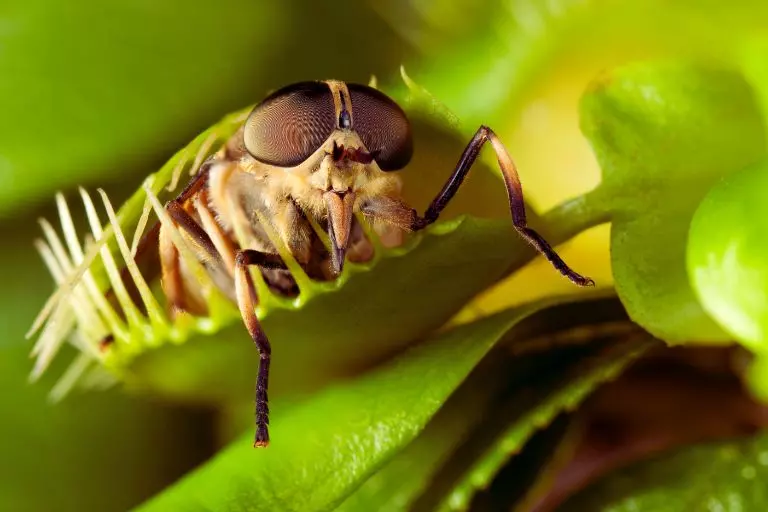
(101, 94)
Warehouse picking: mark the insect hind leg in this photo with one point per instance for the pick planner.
(246, 302)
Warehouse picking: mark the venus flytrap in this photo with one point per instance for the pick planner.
(138, 341)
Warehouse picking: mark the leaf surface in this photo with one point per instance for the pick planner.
(718, 476)
(326, 447)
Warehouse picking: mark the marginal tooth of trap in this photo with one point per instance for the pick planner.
(177, 170)
(240, 118)
(93, 296)
(50, 260)
(181, 244)
(67, 381)
(58, 275)
(202, 153)
(116, 325)
(56, 246)
(132, 313)
(320, 232)
(154, 310)
(140, 227)
(68, 227)
(82, 307)
(56, 330)
(371, 235)
(63, 291)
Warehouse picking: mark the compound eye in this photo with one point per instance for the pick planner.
(290, 124)
(383, 127)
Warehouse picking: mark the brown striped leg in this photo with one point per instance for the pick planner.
(174, 286)
(149, 240)
(170, 267)
(246, 301)
(184, 220)
(245, 294)
(514, 194)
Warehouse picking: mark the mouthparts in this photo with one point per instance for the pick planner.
(340, 206)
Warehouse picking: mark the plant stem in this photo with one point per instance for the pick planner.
(573, 216)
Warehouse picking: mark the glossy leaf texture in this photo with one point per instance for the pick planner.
(355, 427)
(727, 264)
(664, 133)
(562, 390)
(726, 255)
(717, 476)
(359, 425)
(487, 422)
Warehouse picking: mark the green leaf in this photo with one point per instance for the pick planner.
(727, 266)
(326, 447)
(408, 474)
(725, 476)
(727, 245)
(490, 418)
(664, 133)
(564, 391)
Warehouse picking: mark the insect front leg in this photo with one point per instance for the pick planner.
(246, 301)
(514, 194)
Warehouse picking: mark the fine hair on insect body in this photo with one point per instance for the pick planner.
(303, 166)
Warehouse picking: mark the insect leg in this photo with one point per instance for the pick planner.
(198, 234)
(149, 240)
(197, 182)
(176, 288)
(514, 193)
(245, 294)
(170, 268)
(147, 249)
(246, 301)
